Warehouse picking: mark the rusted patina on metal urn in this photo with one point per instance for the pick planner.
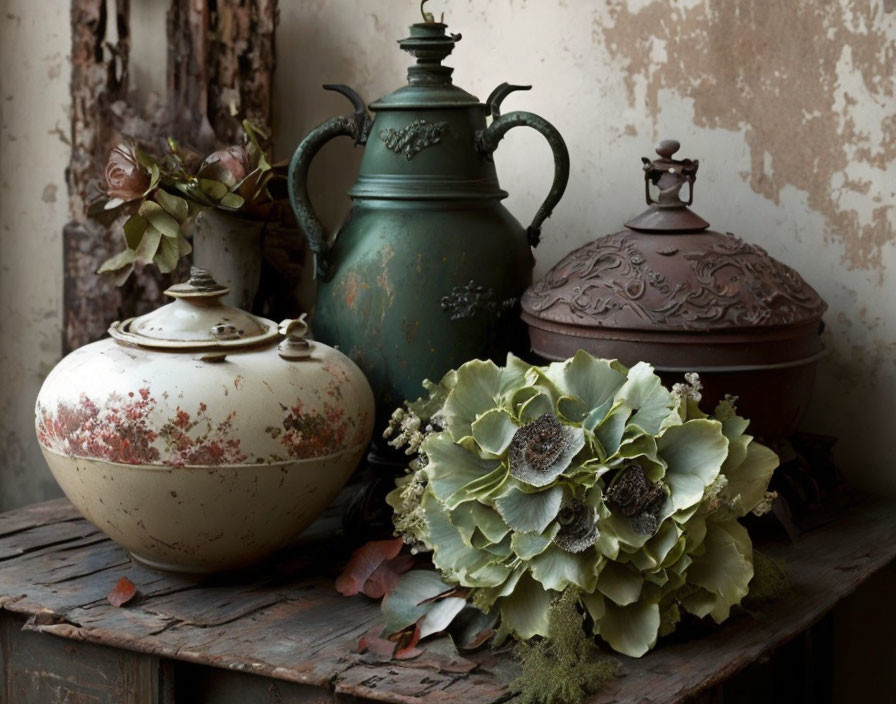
(669, 291)
(428, 268)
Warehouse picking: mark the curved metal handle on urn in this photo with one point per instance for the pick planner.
(488, 140)
(356, 126)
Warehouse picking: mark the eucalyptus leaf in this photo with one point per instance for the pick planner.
(440, 616)
(404, 606)
(119, 261)
(167, 255)
(476, 391)
(183, 246)
(213, 189)
(174, 205)
(159, 219)
(232, 201)
(134, 229)
(149, 244)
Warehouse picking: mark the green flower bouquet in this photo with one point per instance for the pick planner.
(583, 475)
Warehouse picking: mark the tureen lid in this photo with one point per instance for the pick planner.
(197, 319)
(668, 272)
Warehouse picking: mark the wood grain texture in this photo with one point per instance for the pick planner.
(220, 65)
(285, 621)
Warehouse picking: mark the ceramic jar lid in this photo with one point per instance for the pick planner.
(668, 272)
(196, 320)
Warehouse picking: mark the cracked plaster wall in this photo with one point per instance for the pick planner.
(789, 106)
(34, 100)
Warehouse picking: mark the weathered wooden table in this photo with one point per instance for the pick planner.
(281, 634)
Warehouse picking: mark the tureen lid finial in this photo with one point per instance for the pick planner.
(668, 212)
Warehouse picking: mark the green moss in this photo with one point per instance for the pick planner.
(770, 581)
(566, 667)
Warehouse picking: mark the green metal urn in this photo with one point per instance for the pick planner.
(428, 268)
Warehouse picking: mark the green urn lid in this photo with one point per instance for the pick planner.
(429, 82)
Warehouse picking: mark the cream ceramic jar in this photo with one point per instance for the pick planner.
(200, 437)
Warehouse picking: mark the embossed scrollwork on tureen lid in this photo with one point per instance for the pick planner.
(668, 272)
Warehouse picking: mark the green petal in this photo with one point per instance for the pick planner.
(402, 605)
(593, 380)
(524, 612)
(494, 430)
(655, 407)
(529, 512)
(556, 569)
(527, 545)
(750, 479)
(594, 603)
(451, 468)
(621, 583)
(476, 390)
(455, 559)
(610, 430)
(535, 407)
(631, 630)
(472, 516)
(725, 568)
(694, 453)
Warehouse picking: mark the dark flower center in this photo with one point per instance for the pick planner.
(632, 495)
(538, 444)
(578, 526)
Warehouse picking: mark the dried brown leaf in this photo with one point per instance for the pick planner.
(123, 591)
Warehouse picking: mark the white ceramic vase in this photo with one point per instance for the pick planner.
(200, 437)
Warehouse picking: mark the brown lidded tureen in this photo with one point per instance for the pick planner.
(671, 292)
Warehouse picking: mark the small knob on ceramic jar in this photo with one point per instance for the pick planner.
(295, 346)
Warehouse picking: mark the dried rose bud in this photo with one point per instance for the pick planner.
(125, 176)
(542, 449)
(229, 165)
(578, 526)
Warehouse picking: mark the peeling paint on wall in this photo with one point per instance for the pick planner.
(812, 84)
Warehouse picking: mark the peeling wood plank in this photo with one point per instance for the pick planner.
(285, 622)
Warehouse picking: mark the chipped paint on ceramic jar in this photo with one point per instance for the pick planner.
(201, 437)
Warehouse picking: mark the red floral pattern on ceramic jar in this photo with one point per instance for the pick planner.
(119, 430)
